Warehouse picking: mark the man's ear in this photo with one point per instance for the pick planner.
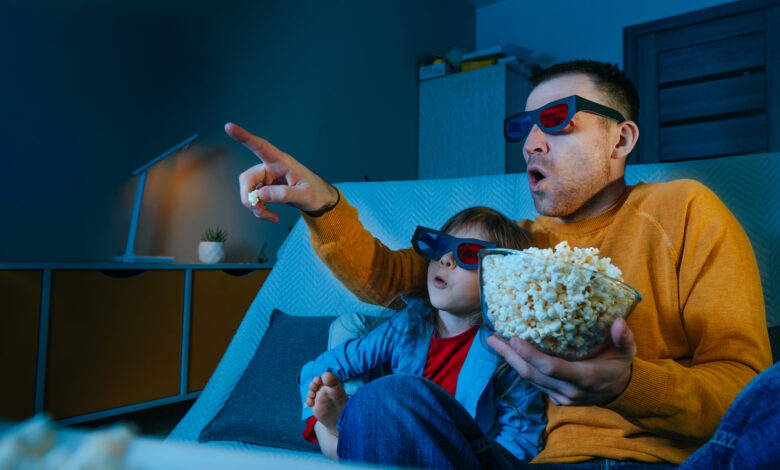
(629, 134)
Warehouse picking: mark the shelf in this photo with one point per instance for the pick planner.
(86, 340)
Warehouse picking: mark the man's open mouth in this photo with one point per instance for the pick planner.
(534, 177)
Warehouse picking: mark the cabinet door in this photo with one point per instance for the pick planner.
(708, 82)
(114, 339)
(20, 305)
(461, 129)
(219, 301)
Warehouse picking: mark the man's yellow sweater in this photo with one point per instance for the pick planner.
(700, 329)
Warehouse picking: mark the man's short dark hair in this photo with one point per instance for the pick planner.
(618, 89)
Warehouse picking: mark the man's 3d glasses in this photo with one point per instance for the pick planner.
(433, 244)
(553, 117)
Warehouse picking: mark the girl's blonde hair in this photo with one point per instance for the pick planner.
(500, 229)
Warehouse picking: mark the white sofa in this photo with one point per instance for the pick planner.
(300, 284)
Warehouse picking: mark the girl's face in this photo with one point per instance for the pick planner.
(451, 288)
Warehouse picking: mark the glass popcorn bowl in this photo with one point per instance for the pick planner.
(562, 308)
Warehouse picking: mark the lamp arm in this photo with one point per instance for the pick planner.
(129, 256)
(139, 194)
(181, 144)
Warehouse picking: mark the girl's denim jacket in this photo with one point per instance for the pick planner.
(515, 421)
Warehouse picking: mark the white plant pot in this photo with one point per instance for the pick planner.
(211, 252)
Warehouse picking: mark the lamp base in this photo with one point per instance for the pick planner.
(143, 259)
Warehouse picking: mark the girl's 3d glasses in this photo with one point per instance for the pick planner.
(433, 244)
(553, 117)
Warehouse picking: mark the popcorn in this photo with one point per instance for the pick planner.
(254, 197)
(560, 299)
(30, 440)
(34, 445)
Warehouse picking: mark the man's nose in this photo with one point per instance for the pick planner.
(536, 142)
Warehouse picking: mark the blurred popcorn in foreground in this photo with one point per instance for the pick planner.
(562, 299)
(33, 445)
(26, 443)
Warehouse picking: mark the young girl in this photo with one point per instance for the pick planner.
(439, 338)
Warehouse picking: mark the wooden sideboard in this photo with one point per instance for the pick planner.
(86, 341)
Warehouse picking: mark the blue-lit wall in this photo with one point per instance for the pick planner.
(573, 29)
(91, 90)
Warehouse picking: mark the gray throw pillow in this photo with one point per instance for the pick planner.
(265, 406)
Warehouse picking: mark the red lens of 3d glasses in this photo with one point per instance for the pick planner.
(468, 253)
(554, 115)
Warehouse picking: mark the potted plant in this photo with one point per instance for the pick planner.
(212, 245)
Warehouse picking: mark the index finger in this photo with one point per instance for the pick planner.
(263, 149)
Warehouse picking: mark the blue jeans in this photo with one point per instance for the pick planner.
(406, 420)
(749, 434)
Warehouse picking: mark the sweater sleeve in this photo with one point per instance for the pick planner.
(722, 312)
(368, 268)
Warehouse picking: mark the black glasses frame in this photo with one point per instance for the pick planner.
(452, 246)
(576, 104)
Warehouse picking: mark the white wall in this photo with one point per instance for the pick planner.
(562, 30)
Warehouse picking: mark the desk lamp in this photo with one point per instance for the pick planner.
(129, 256)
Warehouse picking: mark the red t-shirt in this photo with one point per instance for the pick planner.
(445, 359)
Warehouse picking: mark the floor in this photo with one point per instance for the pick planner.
(158, 422)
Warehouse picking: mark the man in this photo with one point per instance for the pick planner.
(660, 388)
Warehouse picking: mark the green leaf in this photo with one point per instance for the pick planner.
(214, 234)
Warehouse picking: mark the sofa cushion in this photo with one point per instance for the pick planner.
(264, 408)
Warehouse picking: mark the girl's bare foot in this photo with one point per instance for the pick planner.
(329, 400)
(314, 386)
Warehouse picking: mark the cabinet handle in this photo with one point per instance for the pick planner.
(123, 273)
(238, 272)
